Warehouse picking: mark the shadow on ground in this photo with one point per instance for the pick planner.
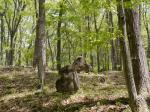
(18, 93)
(53, 103)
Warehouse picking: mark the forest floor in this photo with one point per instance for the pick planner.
(18, 93)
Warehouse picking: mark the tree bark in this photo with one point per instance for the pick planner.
(52, 55)
(137, 102)
(148, 39)
(2, 36)
(59, 38)
(35, 57)
(118, 54)
(42, 43)
(20, 44)
(97, 49)
(7, 51)
(11, 51)
(89, 30)
(98, 59)
(113, 49)
(138, 57)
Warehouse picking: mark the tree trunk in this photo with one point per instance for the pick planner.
(98, 49)
(113, 49)
(98, 59)
(137, 103)
(2, 37)
(89, 31)
(140, 12)
(42, 43)
(51, 53)
(11, 50)
(20, 44)
(138, 57)
(118, 54)
(113, 55)
(59, 38)
(92, 59)
(107, 59)
(7, 51)
(35, 56)
(148, 39)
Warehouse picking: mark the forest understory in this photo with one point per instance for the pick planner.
(87, 42)
(105, 92)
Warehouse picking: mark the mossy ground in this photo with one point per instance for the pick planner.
(18, 93)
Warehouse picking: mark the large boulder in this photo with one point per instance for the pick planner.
(69, 79)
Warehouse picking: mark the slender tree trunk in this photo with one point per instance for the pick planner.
(98, 49)
(113, 55)
(69, 45)
(118, 54)
(7, 51)
(11, 50)
(98, 58)
(59, 38)
(148, 42)
(20, 44)
(89, 30)
(42, 43)
(148, 39)
(107, 59)
(35, 57)
(69, 54)
(140, 12)
(2, 37)
(137, 103)
(51, 53)
(113, 49)
(138, 57)
(92, 59)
